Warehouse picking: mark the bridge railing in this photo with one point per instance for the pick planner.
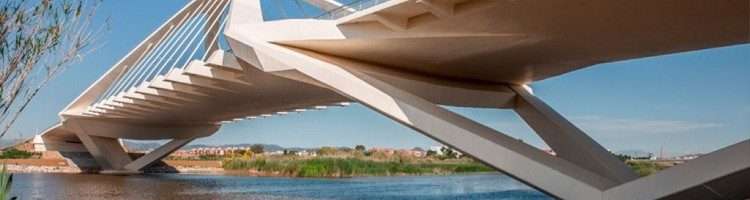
(303, 9)
(349, 9)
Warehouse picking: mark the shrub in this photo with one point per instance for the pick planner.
(313, 169)
(12, 153)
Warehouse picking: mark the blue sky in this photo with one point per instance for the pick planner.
(687, 103)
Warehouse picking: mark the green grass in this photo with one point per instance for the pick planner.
(646, 168)
(349, 167)
(12, 153)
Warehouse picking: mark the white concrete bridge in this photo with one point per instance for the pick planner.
(404, 58)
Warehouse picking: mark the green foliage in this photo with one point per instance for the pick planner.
(5, 183)
(449, 152)
(349, 167)
(210, 157)
(38, 41)
(623, 158)
(360, 147)
(12, 153)
(647, 168)
(431, 153)
(380, 156)
(314, 168)
(257, 148)
(324, 151)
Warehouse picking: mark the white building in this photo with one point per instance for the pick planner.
(439, 150)
(306, 153)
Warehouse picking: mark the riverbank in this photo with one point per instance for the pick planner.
(266, 166)
(59, 166)
(645, 168)
(310, 168)
(331, 164)
(335, 167)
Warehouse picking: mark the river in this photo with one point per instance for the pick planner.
(193, 186)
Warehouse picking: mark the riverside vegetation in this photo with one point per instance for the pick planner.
(349, 167)
(345, 162)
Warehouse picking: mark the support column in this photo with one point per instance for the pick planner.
(555, 176)
(569, 142)
(101, 139)
(106, 151)
(722, 174)
(158, 154)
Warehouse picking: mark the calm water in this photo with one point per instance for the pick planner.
(187, 186)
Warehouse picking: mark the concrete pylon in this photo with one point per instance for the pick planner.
(102, 139)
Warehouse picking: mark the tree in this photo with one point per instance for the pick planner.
(327, 151)
(360, 147)
(431, 153)
(257, 148)
(38, 41)
(623, 157)
(449, 152)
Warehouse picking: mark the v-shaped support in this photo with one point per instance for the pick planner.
(101, 139)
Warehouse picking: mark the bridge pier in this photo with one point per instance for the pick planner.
(101, 139)
(560, 177)
(583, 169)
(406, 65)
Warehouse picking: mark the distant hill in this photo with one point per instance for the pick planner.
(141, 146)
(154, 145)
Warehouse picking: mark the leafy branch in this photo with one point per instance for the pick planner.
(38, 41)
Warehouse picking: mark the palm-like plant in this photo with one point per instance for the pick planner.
(5, 183)
(38, 41)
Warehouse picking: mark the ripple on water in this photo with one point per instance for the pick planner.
(190, 186)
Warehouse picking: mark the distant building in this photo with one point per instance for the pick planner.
(305, 153)
(39, 143)
(207, 151)
(439, 150)
(687, 157)
(412, 153)
(388, 151)
(180, 154)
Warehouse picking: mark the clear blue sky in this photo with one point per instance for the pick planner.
(688, 102)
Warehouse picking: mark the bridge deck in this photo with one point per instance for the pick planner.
(403, 58)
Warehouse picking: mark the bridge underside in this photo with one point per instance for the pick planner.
(403, 59)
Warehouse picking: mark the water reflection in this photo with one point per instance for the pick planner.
(186, 186)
